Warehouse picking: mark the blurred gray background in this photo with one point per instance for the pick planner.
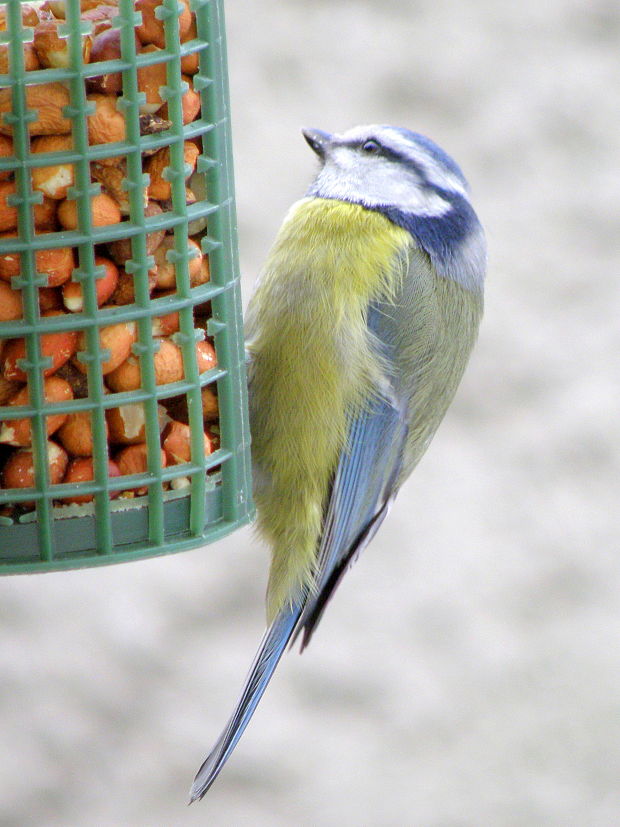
(468, 672)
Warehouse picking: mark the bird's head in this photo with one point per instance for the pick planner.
(412, 181)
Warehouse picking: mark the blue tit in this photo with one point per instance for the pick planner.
(358, 333)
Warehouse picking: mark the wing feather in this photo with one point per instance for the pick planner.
(364, 483)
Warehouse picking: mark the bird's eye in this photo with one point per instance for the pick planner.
(370, 147)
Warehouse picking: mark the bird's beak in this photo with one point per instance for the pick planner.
(317, 140)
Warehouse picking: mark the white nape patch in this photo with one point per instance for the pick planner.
(473, 256)
(349, 175)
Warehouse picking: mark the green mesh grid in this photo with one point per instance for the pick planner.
(188, 503)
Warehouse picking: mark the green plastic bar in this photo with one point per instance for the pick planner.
(83, 191)
(24, 199)
(139, 265)
(217, 144)
(186, 338)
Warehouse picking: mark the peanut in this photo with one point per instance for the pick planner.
(76, 434)
(58, 346)
(177, 443)
(48, 100)
(18, 431)
(117, 339)
(133, 460)
(18, 471)
(104, 286)
(57, 263)
(81, 469)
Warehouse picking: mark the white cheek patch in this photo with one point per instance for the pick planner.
(377, 182)
(343, 158)
(393, 185)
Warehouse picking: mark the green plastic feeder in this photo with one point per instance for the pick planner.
(172, 502)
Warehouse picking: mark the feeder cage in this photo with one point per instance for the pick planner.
(123, 410)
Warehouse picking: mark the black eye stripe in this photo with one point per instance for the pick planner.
(388, 153)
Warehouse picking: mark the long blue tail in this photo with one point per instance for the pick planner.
(269, 653)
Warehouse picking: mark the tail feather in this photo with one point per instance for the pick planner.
(269, 653)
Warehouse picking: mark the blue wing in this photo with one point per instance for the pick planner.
(364, 484)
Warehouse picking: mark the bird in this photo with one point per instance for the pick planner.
(357, 334)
